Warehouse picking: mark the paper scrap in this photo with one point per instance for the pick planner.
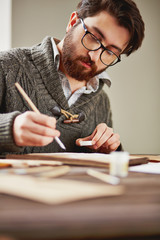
(55, 191)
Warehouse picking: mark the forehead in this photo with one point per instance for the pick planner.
(109, 28)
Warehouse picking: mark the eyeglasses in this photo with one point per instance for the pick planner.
(92, 43)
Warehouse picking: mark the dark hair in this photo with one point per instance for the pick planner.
(126, 13)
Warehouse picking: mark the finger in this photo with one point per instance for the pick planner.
(113, 146)
(102, 136)
(28, 129)
(41, 119)
(114, 138)
(38, 123)
(31, 139)
(43, 130)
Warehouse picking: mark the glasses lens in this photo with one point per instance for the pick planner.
(109, 58)
(90, 42)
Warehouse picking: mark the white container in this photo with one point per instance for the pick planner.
(119, 164)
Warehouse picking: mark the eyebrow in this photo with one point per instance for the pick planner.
(103, 37)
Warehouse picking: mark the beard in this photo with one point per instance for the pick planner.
(71, 62)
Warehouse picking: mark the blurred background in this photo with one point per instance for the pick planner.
(135, 90)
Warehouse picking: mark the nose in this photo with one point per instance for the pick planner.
(95, 55)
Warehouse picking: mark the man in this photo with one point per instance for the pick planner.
(65, 79)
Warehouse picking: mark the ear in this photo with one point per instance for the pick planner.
(72, 21)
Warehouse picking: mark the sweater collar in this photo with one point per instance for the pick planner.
(42, 55)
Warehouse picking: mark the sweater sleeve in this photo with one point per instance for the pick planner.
(7, 143)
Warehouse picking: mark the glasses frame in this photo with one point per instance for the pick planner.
(101, 45)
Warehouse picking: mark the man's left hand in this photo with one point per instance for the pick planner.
(103, 138)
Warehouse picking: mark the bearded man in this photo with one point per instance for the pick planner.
(65, 80)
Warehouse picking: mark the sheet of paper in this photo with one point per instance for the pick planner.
(55, 191)
(150, 167)
(81, 156)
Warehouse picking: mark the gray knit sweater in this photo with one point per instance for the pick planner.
(35, 70)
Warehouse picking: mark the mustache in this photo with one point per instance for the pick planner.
(86, 60)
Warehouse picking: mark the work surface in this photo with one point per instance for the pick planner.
(133, 215)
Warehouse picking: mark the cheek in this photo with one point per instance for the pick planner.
(80, 49)
(101, 68)
(76, 37)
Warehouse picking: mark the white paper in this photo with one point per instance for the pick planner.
(74, 155)
(150, 167)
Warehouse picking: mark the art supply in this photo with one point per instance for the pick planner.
(24, 163)
(31, 104)
(86, 143)
(30, 170)
(5, 165)
(103, 177)
(42, 172)
(119, 162)
(55, 172)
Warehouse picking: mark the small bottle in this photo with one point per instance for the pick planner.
(119, 164)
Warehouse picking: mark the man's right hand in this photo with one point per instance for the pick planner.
(34, 129)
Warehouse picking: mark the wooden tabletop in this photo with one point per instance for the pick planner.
(133, 215)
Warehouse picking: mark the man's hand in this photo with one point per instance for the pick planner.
(34, 129)
(103, 138)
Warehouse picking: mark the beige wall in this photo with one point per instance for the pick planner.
(135, 91)
(32, 20)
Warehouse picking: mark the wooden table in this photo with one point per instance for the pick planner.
(133, 215)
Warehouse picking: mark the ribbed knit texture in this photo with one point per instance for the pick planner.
(34, 69)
